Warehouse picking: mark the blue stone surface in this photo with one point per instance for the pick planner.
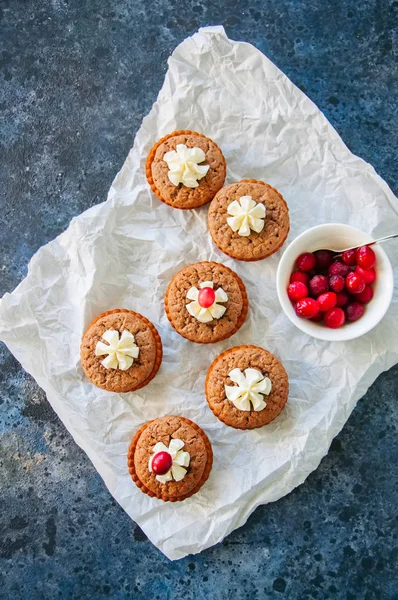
(77, 77)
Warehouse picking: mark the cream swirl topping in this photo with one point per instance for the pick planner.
(250, 389)
(121, 351)
(180, 460)
(204, 306)
(184, 165)
(246, 214)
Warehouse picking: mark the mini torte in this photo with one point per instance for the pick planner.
(248, 220)
(246, 387)
(185, 169)
(121, 351)
(170, 458)
(206, 302)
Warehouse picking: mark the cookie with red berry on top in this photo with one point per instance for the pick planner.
(170, 458)
(206, 302)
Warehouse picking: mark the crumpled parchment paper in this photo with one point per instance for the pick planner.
(122, 253)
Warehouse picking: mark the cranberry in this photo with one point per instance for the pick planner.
(342, 298)
(324, 259)
(339, 268)
(354, 311)
(307, 308)
(368, 275)
(349, 257)
(317, 318)
(327, 301)
(300, 276)
(334, 318)
(206, 297)
(354, 283)
(336, 283)
(366, 258)
(161, 463)
(297, 290)
(306, 261)
(365, 296)
(319, 285)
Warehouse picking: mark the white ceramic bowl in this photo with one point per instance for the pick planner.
(337, 236)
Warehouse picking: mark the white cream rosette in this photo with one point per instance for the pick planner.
(121, 351)
(250, 389)
(184, 165)
(246, 215)
(180, 460)
(205, 315)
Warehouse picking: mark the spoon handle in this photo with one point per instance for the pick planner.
(383, 239)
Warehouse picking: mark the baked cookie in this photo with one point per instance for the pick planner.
(248, 220)
(170, 458)
(121, 351)
(185, 169)
(206, 302)
(246, 387)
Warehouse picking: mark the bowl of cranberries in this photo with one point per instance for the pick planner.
(331, 295)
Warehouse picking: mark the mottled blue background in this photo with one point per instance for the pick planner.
(76, 79)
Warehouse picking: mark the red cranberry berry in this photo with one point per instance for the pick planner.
(300, 276)
(161, 463)
(317, 318)
(339, 268)
(334, 318)
(336, 283)
(307, 308)
(368, 275)
(366, 258)
(341, 298)
(365, 296)
(206, 297)
(306, 261)
(324, 259)
(297, 290)
(354, 283)
(327, 301)
(354, 311)
(319, 285)
(349, 257)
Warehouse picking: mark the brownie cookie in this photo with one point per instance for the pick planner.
(121, 351)
(185, 169)
(170, 458)
(206, 302)
(246, 387)
(248, 220)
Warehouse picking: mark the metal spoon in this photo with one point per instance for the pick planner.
(383, 239)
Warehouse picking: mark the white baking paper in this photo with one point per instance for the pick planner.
(122, 253)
